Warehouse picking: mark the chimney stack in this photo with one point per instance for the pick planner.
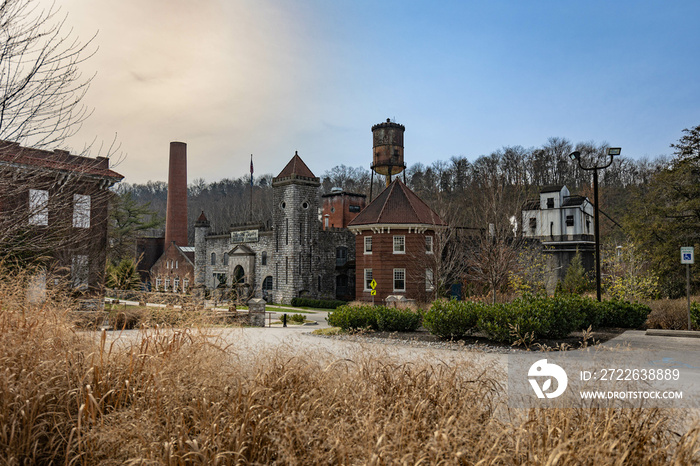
(176, 212)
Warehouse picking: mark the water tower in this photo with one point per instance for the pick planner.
(387, 149)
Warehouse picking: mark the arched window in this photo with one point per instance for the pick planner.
(213, 258)
(225, 259)
(263, 260)
(267, 283)
(238, 274)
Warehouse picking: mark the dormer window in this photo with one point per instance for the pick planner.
(550, 202)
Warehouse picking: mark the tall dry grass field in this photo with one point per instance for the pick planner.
(182, 397)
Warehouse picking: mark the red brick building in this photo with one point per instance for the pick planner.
(394, 238)
(173, 272)
(340, 208)
(54, 211)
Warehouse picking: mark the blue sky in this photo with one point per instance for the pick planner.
(233, 78)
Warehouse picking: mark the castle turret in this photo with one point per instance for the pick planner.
(296, 227)
(201, 230)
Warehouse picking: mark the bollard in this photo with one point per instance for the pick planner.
(284, 320)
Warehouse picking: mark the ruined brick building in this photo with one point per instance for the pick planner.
(54, 211)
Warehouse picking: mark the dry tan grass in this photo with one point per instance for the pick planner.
(182, 397)
(670, 314)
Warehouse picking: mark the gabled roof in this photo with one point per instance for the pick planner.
(296, 168)
(397, 205)
(58, 160)
(576, 200)
(242, 249)
(553, 188)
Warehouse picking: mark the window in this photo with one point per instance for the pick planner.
(176, 285)
(325, 221)
(368, 279)
(341, 256)
(81, 211)
(79, 272)
(159, 283)
(550, 202)
(225, 259)
(213, 258)
(176, 264)
(428, 244)
(319, 283)
(267, 283)
(185, 285)
(569, 220)
(400, 244)
(429, 283)
(368, 245)
(533, 224)
(354, 208)
(263, 259)
(167, 285)
(399, 279)
(38, 207)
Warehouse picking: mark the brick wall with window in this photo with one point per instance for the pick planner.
(403, 268)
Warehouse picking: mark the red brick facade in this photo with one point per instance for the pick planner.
(340, 208)
(383, 262)
(54, 211)
(174, 271)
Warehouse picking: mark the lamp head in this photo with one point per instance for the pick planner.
(613, 151)
(575, 155)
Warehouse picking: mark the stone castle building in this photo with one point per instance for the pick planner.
(296, 257)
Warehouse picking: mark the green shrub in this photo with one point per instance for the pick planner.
(391, 319)
(541, 316)
(353, 317)
(616, 313)
(452, 319)
(695, 314)
(536, 315)
(382, 318)
(317, 303)
(297, 318)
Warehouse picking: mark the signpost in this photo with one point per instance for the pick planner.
(687, 258)
(373, 284)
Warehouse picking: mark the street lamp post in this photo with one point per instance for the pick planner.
(576, 155)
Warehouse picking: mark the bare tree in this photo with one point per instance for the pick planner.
(41, 87)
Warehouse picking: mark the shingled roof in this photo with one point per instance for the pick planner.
(397, 205)
(296, 168)
(14, 154)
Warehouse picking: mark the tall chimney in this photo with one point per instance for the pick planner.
(176, 212)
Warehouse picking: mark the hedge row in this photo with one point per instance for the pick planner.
(317, 303)
(385, 319)
(541, 316)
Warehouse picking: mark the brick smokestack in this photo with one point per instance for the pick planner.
(176, 212)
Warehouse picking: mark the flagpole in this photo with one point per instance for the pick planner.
(250, 214)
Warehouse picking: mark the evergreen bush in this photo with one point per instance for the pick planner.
(382, 318)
